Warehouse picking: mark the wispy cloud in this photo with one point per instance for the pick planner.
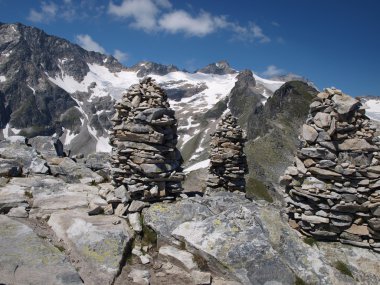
(68, 10)
(120, 56)
(273, 70)
(182, 22)
(86, 42)
(159, 15)
(150, 16)
(47, 13)
(141, 12)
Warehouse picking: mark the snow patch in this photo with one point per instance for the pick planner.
(272, 85)
(103, 145)
(198, 165)
(3, 78)
(69, 137)
(6, 131)
(373, 109)
(15, 131)
(34, 91)
(189, 124)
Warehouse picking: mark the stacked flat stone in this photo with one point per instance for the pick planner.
(228, 163)
(146, 164)
(333, 189)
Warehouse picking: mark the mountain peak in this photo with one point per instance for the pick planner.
(220, 67)
(143, 68)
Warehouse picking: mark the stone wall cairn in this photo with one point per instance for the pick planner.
(333, 189)
(228, 163)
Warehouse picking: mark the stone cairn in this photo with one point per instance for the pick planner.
(146, 166)
(228, 163)
(333, 189)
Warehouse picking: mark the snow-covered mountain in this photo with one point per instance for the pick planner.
(47, 83)
(372, 105)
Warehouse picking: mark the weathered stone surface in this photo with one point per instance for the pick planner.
(72, 172)
(11, 196)
(26, 258)
(135, 222)
(324, 173)
(322, 120)
(309, 133)
(181, 258)
(201, 278)
(39, 165)
(345, 104)
(222, 235)
(356, 144)
(98, 242)
(62, 197)
(139, 276)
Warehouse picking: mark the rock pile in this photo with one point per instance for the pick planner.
(333, 189)
(145, 162)
(228, 163)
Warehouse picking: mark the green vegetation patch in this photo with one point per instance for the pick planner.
(300, 281)
(256, 188)
(310, 241)
(343, 268)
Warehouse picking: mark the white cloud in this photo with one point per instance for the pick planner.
(46, 14)
(273, 70)
(86, 42)
(120, 56)
(142, 12)
(164, 3)
(158, 15)
(181, 21)
(258, 34)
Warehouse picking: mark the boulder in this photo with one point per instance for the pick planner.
(309, 133)
(97, 242)
(345, 104)
(26, 258)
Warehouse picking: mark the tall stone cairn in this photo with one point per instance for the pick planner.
(333, 189)
(146, 165)
(228, 163)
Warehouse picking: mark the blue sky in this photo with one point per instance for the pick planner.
(331, 42)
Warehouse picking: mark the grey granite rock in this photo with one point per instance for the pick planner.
(26, 258)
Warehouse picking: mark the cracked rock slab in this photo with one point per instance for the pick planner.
(97, 242)
(26, 258)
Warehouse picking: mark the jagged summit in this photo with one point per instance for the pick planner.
(145, 68)
(221, 67)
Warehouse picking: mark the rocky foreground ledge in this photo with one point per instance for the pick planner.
(48, 236)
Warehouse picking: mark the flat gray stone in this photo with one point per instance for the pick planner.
(26, 258)
(179, 257)
(11, 196)
(98, 242)
(356, 144)
(345, 103)
(309, 133)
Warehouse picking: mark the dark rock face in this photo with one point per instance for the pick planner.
(144, 138)
(272, 132)
(28, 99)
(228, 163)
(145, 68)
(220, 67)
(332, 189)
(245, 97)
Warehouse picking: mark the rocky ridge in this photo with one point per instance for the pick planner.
(332, 189)
(219, 239)
(228, 163)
